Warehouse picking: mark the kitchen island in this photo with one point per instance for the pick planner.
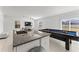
(25, 42)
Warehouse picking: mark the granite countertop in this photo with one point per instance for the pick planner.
(27, 38)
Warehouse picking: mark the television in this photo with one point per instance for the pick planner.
(27, 23)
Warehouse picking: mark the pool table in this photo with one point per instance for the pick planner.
(63, 35)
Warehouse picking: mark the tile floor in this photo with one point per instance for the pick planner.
(59, 46)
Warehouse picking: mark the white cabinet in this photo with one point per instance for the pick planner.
(26, 47)
(45, 43)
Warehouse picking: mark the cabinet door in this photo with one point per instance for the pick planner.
(45, 43)
(26, 47)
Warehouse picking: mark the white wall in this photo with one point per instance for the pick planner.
(1, 21)
(9, 22)
(54, 22)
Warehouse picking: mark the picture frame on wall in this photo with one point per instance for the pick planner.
(17, 24)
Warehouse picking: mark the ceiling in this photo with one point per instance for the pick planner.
(37, 11)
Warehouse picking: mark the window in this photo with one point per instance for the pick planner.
(70, 24)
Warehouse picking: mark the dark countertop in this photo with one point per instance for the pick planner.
(28, 38)
(3, 38)
(61, 33)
